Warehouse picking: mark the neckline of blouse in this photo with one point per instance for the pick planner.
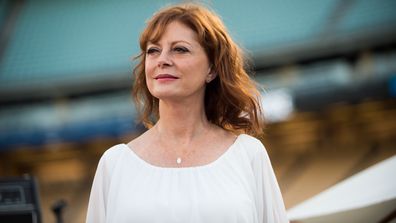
(204, 166)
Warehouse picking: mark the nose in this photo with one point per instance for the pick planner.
(164, 59)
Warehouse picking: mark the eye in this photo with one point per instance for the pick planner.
(180, 49)
(152, 50)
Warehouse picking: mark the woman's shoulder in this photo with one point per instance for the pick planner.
(251, 144)
(110, 158)
(251, 141)
(113, 152)
(116, 149)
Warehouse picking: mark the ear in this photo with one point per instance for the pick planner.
(211, 75)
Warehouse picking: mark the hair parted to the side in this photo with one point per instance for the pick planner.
(232, 100)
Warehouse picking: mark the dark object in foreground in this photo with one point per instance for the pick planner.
(19, 200)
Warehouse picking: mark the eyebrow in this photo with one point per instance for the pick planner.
(172, 43)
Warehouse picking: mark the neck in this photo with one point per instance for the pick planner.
(181, 122)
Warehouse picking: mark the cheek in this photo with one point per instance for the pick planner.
(149, 82)
(148, 72)
(200, 70)
(148, 67)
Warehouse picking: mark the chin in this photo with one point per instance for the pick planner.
(166, 95)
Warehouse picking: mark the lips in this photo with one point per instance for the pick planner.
(165, 77)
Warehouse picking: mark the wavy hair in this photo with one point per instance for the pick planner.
(232, 100)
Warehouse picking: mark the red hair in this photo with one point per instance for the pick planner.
(232, 100)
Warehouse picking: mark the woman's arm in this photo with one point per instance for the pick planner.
(269, 198)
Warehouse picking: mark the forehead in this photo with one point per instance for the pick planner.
(173, 31)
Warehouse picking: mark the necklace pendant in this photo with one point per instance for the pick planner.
(178, 160)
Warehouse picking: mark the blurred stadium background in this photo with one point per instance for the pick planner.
(328, 71)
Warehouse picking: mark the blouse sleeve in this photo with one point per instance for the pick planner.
(269, 198)
(96, 212)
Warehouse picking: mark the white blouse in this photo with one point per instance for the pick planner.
(239, 187)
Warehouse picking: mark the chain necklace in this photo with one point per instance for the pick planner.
(179, 159)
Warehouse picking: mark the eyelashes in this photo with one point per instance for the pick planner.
(176, 49)
(152, 50)
(180, 49)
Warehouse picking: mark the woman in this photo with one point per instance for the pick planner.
(196, 163)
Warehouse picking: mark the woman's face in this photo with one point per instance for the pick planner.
(177, 66)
